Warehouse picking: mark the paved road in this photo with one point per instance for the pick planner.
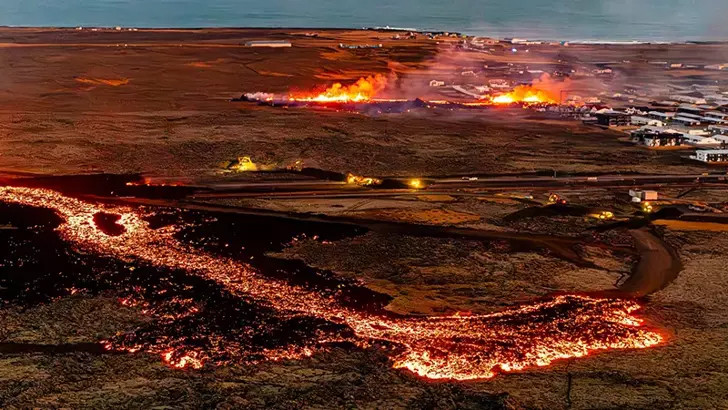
(659, 265)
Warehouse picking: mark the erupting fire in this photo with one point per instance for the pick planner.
(526, 94)
(439, 347)
(365, 89)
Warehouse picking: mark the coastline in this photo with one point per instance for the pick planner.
(575, 41)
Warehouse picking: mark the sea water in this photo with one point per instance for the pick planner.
(598, 20)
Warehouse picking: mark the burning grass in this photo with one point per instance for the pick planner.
(459, 347)
(364, 89)
(370, 90)
(526, 94)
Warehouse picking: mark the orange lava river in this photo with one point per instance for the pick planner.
(438, 347)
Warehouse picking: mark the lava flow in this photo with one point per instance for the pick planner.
(440, 347)
(365, 89)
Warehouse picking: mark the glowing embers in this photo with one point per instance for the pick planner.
(476, 347)
(454, 347)
(181, 360)
(365, 89)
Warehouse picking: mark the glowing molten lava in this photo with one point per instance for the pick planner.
(365, 89)
(440, 347)
(526, 94)
(360, 180)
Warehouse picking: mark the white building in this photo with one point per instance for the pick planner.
(657, 129)
(699, 140)
(639, 120)
(711, 155)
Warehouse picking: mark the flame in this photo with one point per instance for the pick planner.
(416, 183)
(244, 164)
(526, 94)
(457, 347)
(360, 180)
(365, 89)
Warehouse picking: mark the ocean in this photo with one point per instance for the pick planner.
(597, 20)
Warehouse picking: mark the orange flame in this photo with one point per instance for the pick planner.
(526, 94)
(361, 91)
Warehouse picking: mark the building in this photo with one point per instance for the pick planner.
(269, 43)
(718, 129)
(657, 137)
(717, 115)
(640, 120)
(689, 109)
(699, 140)
(436, 83)
(613, 119)
(643, 195)
(711, 156)
(359, 46)
(662, 116)
(686, 121)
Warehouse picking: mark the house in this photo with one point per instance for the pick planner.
(689, 115)
(711, 155)
(660, 139)
(718, 129)
(716, 115)
(687, 121)
(689, 109)
(613, 119)
(662, 116)
(699, 140)
(651, 136)
(640, 120)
